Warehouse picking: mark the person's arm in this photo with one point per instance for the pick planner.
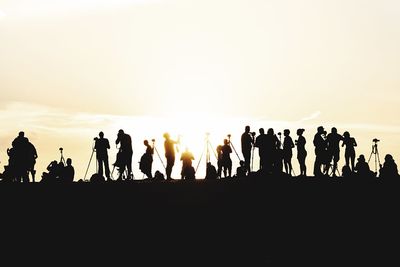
(354, 143)
(107, 144)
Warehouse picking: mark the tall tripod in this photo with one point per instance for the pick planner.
(90, 160)
(375, 152)
(207, 152)
(231, 144)
(158, 154)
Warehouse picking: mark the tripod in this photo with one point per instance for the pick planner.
(231, 144)
(375, 152)
(62, 156)
(90, 160)
(158, 154)
(207, 151)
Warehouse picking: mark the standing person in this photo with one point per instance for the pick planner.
(350, 153)
(31, 156)
(125, 154)
(101, 145)
(301, 152)
(146, 161)
(262, 150)
(226, 158)
(247, 142)
(169, 146)
(334, 139)
(219, 160)
(188, 171)
(320, 146)
(288, 145)
(272, 143)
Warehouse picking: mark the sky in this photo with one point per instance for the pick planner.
(72, 68)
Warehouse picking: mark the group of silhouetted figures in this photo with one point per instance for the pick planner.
(275, 158)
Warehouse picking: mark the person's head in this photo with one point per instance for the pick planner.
(69, 162)
(101, 134)
(146, 142)
(261, 131)
(346, 134)
(247, 129)
(320, 129)
(21, 134)
(286, 132)
(300, 131)
(334, 130)
(241, 163)
(166, 135)
(225, 141)
(388, 158)
(361, 158)
(120, 132)
(270, 131)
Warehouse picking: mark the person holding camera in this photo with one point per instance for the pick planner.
(247, 141)
(124, 157)
(101, 145)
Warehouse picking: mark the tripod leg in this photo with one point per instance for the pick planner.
(87, 169)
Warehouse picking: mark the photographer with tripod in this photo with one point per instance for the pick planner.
(124, 156)
(101, 145)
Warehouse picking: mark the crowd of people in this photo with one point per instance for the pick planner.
(275, 158)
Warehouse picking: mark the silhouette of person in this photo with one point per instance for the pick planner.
(31, 157)
(146, 161)
(169, 146)
(241, 171)
(52, 173)
(211, 172)
(320, 148)
(278, 157)
(333, 140)
(188, 171)
(101, 145)
(260, 143)
(288, 146)
(226, 158)
(125, 154)
(350, 153)
(362, 168)
(389, 168)
(301, 152)
(247, 142)
(68, 172)
(219, 160)
(271, 144)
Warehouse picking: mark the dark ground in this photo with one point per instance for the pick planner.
(255, 222)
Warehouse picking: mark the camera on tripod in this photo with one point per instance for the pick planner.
(61, 149)
(375, 140)
(253, 134)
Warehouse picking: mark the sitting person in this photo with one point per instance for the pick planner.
(389, 168)
(362, 168)
(346, 171)
(211, 172)
(158, 176)
(241, 170)
(52, 174)
(68, 172)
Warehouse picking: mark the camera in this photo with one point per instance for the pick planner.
(229, 135)
(375, 140)
(253, 133)
(96, 138)
(279, 133)
(153, 140)
(61, 149)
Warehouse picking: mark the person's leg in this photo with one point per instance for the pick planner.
(107, 167)
(100, 166)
